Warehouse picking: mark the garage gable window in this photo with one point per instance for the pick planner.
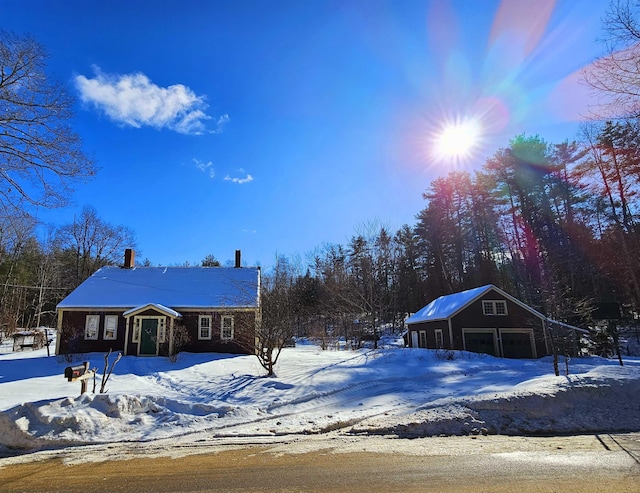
(498, 307)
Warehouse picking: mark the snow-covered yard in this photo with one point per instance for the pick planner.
(391, 391)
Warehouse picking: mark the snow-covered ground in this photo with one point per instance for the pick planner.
(391, 391)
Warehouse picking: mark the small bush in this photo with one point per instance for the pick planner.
(445, 354)
(70, 358)
(181, 339)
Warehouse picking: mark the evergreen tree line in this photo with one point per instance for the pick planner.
(555, 225)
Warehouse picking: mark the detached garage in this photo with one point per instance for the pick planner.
(486, 320)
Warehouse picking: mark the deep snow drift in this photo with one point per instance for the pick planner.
(391, 391)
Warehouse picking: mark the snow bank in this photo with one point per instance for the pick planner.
(571, 407)
(99, 419)
(394, 391)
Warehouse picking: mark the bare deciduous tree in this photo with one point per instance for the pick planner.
(90, 243)
(279, 308)
(40, 156)
(614, 77)
(108, 370)
(16, 241)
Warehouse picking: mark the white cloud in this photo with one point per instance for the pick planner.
(220, 123)
(132, 99)
(205, 167)
(240, 181)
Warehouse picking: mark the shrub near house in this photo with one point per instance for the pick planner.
(135, 309)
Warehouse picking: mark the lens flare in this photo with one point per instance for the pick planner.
(457, 141)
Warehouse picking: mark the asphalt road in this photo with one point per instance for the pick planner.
(592, 463)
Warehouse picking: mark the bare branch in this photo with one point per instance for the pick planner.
(40, 157)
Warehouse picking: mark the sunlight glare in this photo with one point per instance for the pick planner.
(457, 140)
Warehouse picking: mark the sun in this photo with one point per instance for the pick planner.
(457, 141)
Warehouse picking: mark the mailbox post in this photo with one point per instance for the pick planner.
(80, 372)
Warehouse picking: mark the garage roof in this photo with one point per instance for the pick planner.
(447, 306)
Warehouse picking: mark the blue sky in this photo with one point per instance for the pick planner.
(279, 126)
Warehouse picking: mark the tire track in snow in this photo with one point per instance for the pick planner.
(339, 405)
(315, 408)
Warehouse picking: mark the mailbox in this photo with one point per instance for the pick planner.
(72, 373)
(82, 373)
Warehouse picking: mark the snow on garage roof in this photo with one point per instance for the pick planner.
(445, 307)
(176, 287)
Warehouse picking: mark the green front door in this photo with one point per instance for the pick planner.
(149, 336)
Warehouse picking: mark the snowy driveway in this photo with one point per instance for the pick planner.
(394, 391)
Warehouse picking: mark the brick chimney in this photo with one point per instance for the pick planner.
(238, 259)
(129, 258)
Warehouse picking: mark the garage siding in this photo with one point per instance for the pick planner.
(518, 334)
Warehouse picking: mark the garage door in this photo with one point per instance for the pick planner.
(480, 342)
(516, 345)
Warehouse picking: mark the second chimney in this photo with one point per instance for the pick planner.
(238, 259)
(129, 258)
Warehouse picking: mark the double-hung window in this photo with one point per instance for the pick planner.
(136, 329)
(110, 327)
(91, 327)
(439, 340)
(162, 330)
(226, 327)
(423, 338)
(204, 327)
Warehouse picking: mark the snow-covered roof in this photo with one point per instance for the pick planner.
(447, 306)
(155, 306)
(175, 287)
(24, 333)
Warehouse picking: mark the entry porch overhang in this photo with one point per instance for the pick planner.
(163, 310)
